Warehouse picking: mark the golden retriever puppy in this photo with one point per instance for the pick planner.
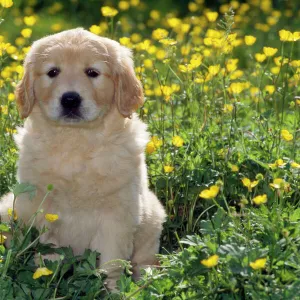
(79, 93)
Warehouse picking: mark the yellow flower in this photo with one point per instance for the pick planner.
(249, 184)
(270, 89)
(258, 264)
(95, 29)
(10, 211)
(210, 193)
(275, 70)
(237, 87)
(168, 169)
(125, 41)
(279, 183)
(286, 135)
(268, 51)
(6, 3)
(278, 163)
(51, 217)
(211, 16)
(177, 141)
(213, 70)
(228, 108)
(4, 109)
(123, 5)
(295, 165)
(30, 21)
(260, 57)
(174, 22)
(168, 42)
(210, 262)
(250, 40)
(41, 272)
(11, 97)
(234, 168)
(155, 14)
(258, 200)
(108, 11)
(2, 238)
(153, 145)
(56, 27)
(159, 34)
(285, 35)
(26, 33)
(150, 148)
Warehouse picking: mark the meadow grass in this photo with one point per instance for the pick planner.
(221, 103)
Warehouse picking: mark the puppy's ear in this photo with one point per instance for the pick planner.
(128, 90)
(24, 93)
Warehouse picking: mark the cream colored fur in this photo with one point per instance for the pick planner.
(97, 166)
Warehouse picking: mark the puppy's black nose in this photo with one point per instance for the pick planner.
(70, 100)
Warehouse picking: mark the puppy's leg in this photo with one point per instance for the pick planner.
(147, 237)
(6, 202)
(114, 241)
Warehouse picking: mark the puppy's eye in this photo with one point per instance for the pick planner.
(53, 72)
(92, 73)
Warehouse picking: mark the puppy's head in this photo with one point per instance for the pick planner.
(75, 76)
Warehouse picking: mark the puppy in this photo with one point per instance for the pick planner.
(79, 93)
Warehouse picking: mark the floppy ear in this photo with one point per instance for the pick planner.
(24, 93)
(128, 90)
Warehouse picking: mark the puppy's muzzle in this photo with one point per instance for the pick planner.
(70, 102)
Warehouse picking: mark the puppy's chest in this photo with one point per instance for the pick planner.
(73, 172)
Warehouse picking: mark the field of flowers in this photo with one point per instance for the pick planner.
(222, 103)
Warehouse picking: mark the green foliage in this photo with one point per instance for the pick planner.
(227, 136)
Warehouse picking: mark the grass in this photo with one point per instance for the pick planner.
(223, 158)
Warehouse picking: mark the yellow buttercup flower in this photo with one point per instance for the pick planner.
(95, 29)
(228, 108)
(258, 264)
(210, 193)
(268, 51)
(260, 57)
(30, 21)
(108, 11)
(168, 42)
(211, 16)
(26, 33)
(270, 89)
(234, 168)
(258, 200)
(286, 135)
(177, 141)
(174, 22)
(250, 40)
(168, 169)
(285, 35)
(6, 3)
(10, 212)
(51, 217)
(41, 272)
(2, 238)
(213, 70)
(124, 5)
(249, 184)
(159, 34)
(279, 183)
(210, 262)
(150, 147)
(11, 97)
(295, 165)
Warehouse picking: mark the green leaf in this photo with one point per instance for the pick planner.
(21, 188)
(4, 227)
